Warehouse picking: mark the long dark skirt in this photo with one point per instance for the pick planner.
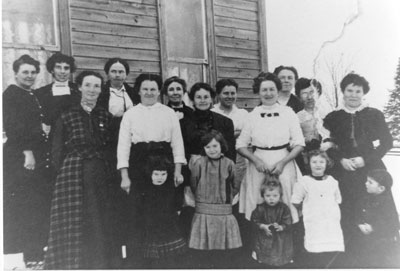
(96, 216)
(26, 207)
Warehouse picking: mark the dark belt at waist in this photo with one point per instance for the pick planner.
(213, 209)
(272, 148)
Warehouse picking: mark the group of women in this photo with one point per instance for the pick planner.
(75, 153)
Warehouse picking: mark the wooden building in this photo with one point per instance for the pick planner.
(199, 40)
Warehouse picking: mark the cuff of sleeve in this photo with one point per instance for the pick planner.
(122, 165)
(180, 160)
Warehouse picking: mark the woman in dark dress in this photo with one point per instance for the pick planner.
(175, 88)
(362, 138)
(61, 94)
(79, 236)
(27, 182)
(117, 97)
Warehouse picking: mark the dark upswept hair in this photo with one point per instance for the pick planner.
(114, 60)
(271, 182)
(200, 85)
(147, 77)
(356, 79)
(265, 76)
(312, 153)
(60, 58)
(171, 80)
(219, 86)
(213, 134)
(82, 75)
(301, 84)
(26, 59)
(290, 68)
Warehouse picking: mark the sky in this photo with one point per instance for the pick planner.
(370, 44)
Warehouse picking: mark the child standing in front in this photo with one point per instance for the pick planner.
(163, 243)
(378, 224)
(272, 226)
(320, 197)
(215, 231)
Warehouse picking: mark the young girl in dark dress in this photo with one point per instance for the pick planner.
(163, 242)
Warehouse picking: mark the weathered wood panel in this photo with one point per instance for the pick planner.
(108, 52)
(118, 41)
(248, 103)
(238, 63)
(237, 73)
(232, 12)
(113, 17)
(130, 79)
(114, 29)
(102, 29)
(236, 33)
(239, 4)
(116, 6)
(237, 53)
(86, 63)
(237, 43)
(236, 23)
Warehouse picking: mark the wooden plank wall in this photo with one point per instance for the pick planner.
(237, 39)
(102, 29)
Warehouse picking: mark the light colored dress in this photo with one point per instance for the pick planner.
(321, 213)
(269, 127)
(213, 225)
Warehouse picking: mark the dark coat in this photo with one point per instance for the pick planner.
(203, 122)
(295, 103)
(55, 105)
(104, 97)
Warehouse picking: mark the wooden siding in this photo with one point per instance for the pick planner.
(239, 46)
(103, 29)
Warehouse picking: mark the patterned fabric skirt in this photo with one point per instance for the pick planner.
(214, 227)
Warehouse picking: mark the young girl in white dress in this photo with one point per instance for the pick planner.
(320, 197)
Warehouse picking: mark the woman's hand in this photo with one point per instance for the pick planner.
(178, 178)
(125, 181)
(260, 166)
(348, 164)
(29, 160)
(365, 228)
(278, 168)
(358, 161)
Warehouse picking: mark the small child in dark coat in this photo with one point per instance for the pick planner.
(378, 224)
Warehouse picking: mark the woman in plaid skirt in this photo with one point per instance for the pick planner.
(79, 233)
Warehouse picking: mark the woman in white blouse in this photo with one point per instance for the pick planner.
(147, 129)
(275, 134)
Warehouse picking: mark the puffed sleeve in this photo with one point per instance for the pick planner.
(296, 134)
(177, 146)
(299, 193)
(15, 123)
(383, 140)
(244, 138)
(124, 142)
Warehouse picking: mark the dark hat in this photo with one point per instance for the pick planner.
(382, 177)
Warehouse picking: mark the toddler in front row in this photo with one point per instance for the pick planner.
(272, 222)
(320, 197)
